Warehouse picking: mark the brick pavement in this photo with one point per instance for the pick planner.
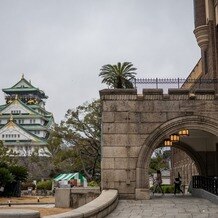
(167, 206)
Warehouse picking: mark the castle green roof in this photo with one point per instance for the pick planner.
(23, 86)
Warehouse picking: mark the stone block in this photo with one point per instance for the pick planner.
(194, 105)
(142, 194)
(122, 187)
(118, 140)
(108, 128)
(172, 115)
(131, 117)
(109, 106)
(115, 92)
(105, 184)
(126, 196)
(108, 117)
(153, 117)
(165, 106)
(146, 128)
(82, 196)
(118, 176)
(178, 91)
(110, 152)
(128, 106)
(124, 163)
(145, 106)
(62, 197)
(124, 175)
(120, 128)
(107, 163)
(152, 91)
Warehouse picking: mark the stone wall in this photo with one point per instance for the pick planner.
(75, 197)
(200, 15)
(183, 164)
(206, 32)
(133, 125)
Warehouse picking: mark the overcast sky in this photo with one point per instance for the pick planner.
(60, 45)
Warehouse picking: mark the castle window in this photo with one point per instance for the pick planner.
(16, 111)
(3, 136)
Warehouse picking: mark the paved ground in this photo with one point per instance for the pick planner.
(168, 206)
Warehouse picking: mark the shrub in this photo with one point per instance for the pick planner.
(93, 184)
(19, 172)
(5, 176)
(25, 185)
(166, 188)
(44, 185)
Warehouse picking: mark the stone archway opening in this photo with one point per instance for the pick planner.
(200, 146)
(171, 161)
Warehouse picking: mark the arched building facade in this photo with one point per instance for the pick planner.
(134, 125)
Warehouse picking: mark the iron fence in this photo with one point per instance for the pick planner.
(209, 184)
(176, 82)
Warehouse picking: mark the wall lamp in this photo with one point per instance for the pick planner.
(184, 132)
(167, 142)
(174, 138)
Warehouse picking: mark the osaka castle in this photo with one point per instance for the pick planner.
(24, 122)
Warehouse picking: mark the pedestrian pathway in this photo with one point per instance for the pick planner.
(167, 206)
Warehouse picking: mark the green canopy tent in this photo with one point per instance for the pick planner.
(69, 176)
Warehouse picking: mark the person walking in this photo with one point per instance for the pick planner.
(177, 184)
(158, 182)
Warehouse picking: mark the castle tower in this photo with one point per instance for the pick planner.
(206, 32)
(24, 122)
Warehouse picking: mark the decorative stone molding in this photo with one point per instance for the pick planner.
(118, 94)
(152, 94)
(202, 36)
(152, 91)
(178, 94)
(205, 94)
(204, 91)
(178, 91)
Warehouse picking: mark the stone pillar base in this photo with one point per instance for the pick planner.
(62, 197)
(142, 194)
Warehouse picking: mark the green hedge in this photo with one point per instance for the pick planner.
(93, 184)
(44, 185)
(166, 188)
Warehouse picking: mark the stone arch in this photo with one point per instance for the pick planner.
(163, 131)
(199, 162)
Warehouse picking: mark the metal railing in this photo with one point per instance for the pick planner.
(176, 82)
(209, 184)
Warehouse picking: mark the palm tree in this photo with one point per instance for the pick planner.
(118, 76)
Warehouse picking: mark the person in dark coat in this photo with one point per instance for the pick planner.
(177, 184)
